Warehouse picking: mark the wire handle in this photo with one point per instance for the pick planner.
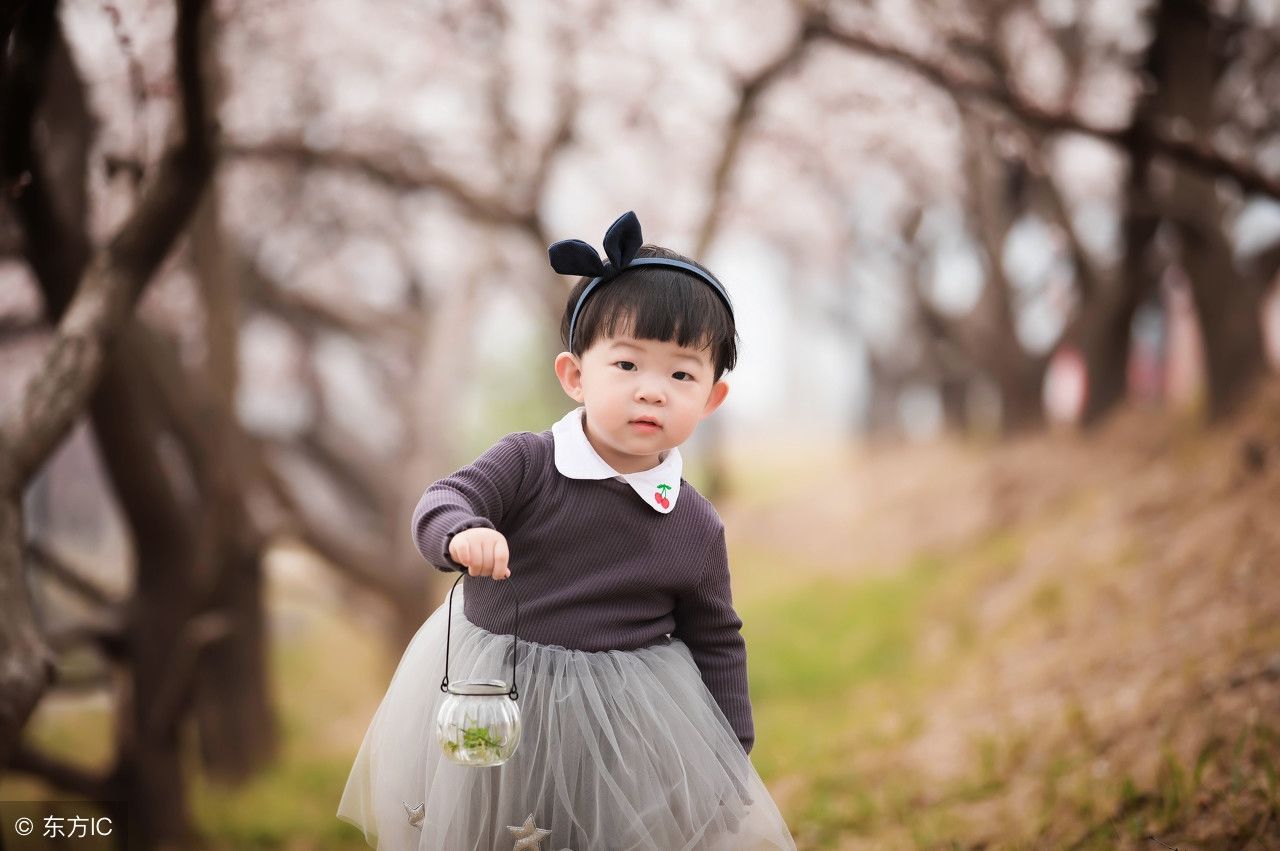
(513, 693)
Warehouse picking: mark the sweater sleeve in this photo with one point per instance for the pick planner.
(707, 623)
(480, 494)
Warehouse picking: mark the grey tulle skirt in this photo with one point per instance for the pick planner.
(620, 750)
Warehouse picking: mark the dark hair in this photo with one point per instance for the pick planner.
(655, 303)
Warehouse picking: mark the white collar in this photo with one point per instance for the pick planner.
(576, 458)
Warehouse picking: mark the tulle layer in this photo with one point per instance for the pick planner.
(620, 750)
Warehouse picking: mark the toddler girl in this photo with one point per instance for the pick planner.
(629, 658)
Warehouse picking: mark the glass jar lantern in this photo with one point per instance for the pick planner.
(478, 723)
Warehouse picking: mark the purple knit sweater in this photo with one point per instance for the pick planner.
(595, 568)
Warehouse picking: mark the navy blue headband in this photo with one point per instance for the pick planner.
(621, 242)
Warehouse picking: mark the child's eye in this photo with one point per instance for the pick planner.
(682, 376)
(625, 365)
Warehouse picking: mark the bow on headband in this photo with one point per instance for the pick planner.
(621, 242)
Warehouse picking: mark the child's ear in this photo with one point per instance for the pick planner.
(718, 391)
(569, 371)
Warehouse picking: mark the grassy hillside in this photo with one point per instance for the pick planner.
(1057, 643)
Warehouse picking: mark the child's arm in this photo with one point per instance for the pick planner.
(478, 495)
(707, 623)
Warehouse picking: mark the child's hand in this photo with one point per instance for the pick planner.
(483, 551)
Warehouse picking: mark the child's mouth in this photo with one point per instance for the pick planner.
(645, 426)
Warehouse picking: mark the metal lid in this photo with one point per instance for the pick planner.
(479, 687)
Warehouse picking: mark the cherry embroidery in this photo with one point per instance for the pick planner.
(661, 496)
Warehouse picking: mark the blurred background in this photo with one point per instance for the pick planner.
(1000, 463)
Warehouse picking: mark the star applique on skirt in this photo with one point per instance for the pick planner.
(416, 814)
(528, 835)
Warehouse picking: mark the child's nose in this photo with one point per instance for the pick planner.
(651, 394)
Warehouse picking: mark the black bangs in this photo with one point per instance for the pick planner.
(655, 303)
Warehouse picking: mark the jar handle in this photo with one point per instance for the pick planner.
(514, 694)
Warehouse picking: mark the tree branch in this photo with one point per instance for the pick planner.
(71, 577)
(300, 306)
(1195, 154)
(167, 703)
(336, 550)
(17, 328)
(391, 170)
(111, 639)
(59, 774)
(113, 281)
(749, 95)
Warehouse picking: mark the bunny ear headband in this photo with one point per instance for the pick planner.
(621, 242)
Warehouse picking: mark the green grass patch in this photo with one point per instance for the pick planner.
(829, 662)
(825, 637)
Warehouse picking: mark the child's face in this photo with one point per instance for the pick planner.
(622, 381)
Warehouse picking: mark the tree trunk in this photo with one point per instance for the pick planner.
(880, 417)
(90, 358)
(953, 390)
(149, 730)
(28, 667)
(149, 770)
(441, 378)
(993, 187)
(39, 55)
(1106, 320)
(1184, 56)
(233, 707)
